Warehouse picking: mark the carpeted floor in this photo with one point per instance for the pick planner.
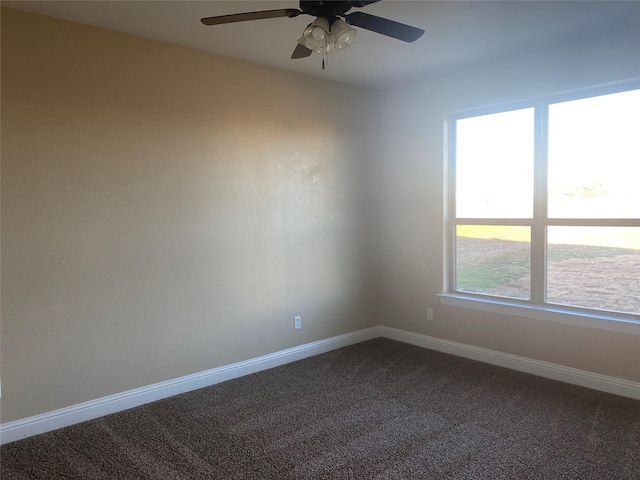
(376, 410)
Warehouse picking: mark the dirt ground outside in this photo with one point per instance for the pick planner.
(584, 276)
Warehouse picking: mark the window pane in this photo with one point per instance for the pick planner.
(594, 157)
(494, 165)
(594, 267)
(493, 260)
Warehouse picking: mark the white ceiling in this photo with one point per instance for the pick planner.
(458, 33)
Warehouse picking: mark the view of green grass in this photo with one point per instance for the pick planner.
(486, 276)
(486, 265)
(494, 232)
(608, 237)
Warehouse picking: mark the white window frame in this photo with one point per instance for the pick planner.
(535, 306)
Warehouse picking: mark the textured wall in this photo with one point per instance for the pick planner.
(166, 211)
(410, 179)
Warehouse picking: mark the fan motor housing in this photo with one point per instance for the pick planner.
(327, 10)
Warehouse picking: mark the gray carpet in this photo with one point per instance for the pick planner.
(376, 410)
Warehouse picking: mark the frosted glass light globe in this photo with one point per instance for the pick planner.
(317, 33)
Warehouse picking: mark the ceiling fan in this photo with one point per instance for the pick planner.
(331, 30)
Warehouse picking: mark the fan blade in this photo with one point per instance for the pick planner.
(362, 3)
(243, 17)
(301, 52)
(384, 26)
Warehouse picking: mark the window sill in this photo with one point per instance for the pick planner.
(548, 314)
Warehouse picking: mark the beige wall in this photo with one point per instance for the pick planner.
(166, 211)
(410, 180)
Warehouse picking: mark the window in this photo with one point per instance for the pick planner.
(544, 204)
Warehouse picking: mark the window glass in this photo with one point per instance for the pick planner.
(594, 267)
(494, 165)
(493, 260)
(594, 157)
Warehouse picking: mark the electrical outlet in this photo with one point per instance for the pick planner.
(429, 313)
(297, 323)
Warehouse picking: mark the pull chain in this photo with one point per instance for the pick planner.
(323, 56)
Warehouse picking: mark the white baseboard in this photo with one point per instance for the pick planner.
(595, 381)
(81, 412)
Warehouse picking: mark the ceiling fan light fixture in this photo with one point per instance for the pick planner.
(342, 35)
(328, 33)
(317, 35)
